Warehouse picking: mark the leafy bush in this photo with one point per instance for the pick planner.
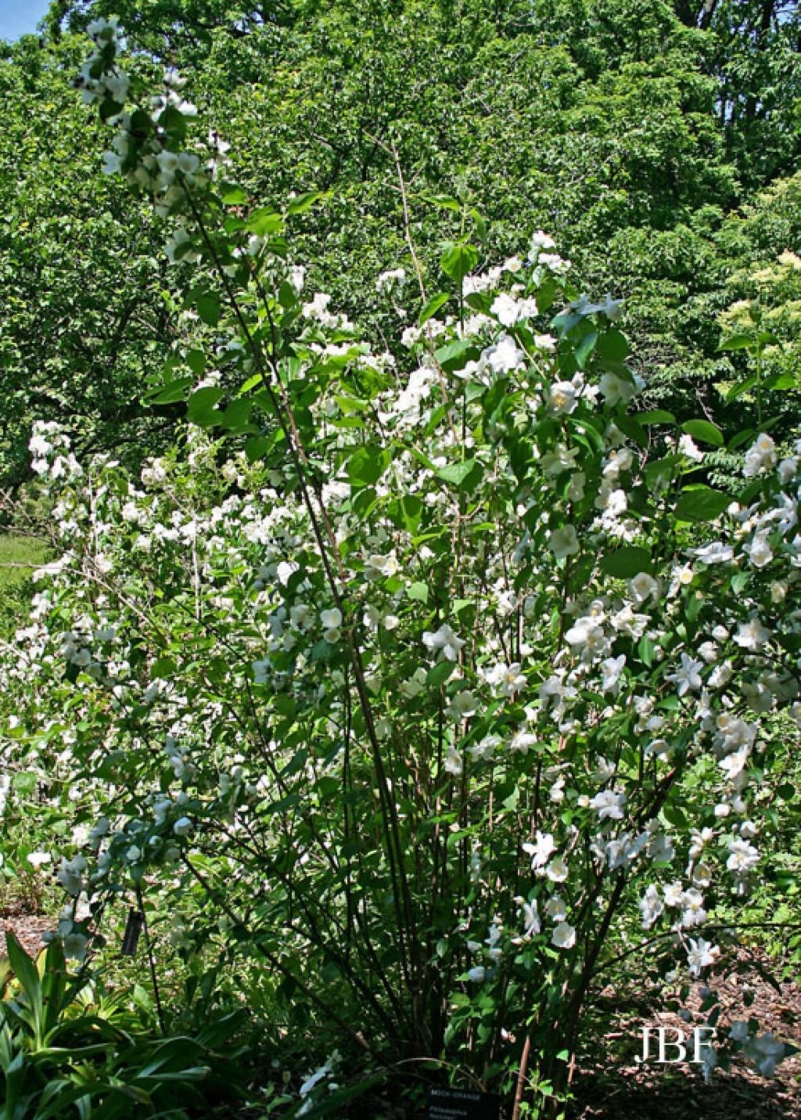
(452, 675)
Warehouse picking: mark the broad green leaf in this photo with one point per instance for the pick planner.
(444, 201)
(701, 503)
(704, 431)
(196, 360)
(163, 669)
(231, 194)
(613, 345)
(458, 260)
(455, 355)
(655, 416)
(440, 673)
(464, 476)
(208, 308)
(174, 391)
(627, 562)
(366, 465)
(304, 202)
(737, 342)
(264, 221)
(201, 409)
(432, 306)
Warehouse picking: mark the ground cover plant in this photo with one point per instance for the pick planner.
(412, 684)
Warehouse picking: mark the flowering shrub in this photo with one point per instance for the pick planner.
(434, 679)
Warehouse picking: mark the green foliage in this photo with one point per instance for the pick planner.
(66, 1052)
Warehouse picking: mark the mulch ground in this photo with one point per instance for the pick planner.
(610, 1085)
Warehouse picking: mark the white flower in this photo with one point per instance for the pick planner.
(643, 587)
(522, 740)
(531, 918)
(742, 857)
(485, 749)
(700, 955)
(608, 804)
(415, 684)
(688, 447)
(759, 551)
(37, 859)
(505, 309)
(443, 642)
(562, 398)
(616, 390)
(182, 827)
(557, 870)
(650, 907)
(687, 676)
(555, 909)
(563, 542)
(694, 914)
(611, 669)
(541, 850)
(673, 894)
(453, 761)
(563, 936)
(331, 618)
(477, 974)
(716, 552)
(463, 705)
(760, 456)
(751, 635)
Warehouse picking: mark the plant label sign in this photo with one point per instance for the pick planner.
(460, 1104)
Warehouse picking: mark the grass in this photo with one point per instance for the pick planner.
(20, 556)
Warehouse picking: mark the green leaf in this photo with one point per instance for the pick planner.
(231, 194)
(455, 355)
(25, 971)
(741, 387)
(201, 409)
(236, 416)
(440, 673)
(585, 347)
(196, 360)
(174, 391)
(458, 260)
(464, 476)
(613, 345)
(700, 503)
(655, 416)
(304, 202)
(704, 431)
(208, 308)
(418, 591)
(264, 221)
(627, 562)
(174, 124)
(163, 669)
(646, 650)
(737, 342)
(433, 306)
(444, 201)
(367, 465)
(406, 512)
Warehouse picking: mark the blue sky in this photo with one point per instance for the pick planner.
(20, 17)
